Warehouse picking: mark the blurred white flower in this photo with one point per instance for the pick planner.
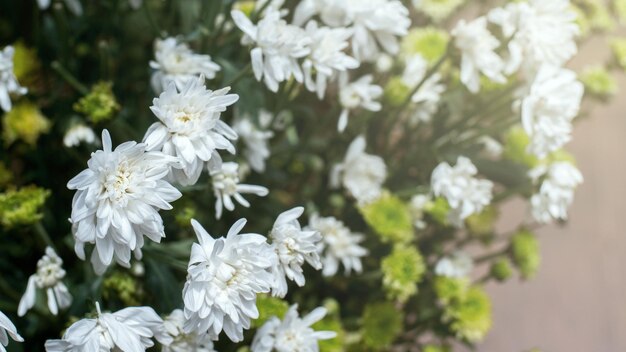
(491, 146)
(181, 341)
(384, 63)
(117, 202)
(129, 329)
(293, 247)
(48, 277)
(556, 192)
(8, 81)
(417, 205)
(360, 173)
(548, 108)
(190, 128)
(292, 334)
(255, 139)
(226, 186)
(74, 6)
(7, 327)
(339, 245)
(224, 277)
(327, 57)
(358, 94)
(465, 193)
(78, 134)
(477, 46)
(278, 46)
(427, 97)
(458, 265)
(176, 62)
(135, 4)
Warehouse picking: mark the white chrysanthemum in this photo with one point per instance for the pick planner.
(176, 62)
(73, 5)
(181, 341)
(7, 327)
(190, 128)
(327, 57)
(226, 186)
(117, 202)
(556, 193)
(552, 102)
(465, 193)
(128, 330)
(458, 265)
(360, 173)
(78, 134)
(255, 139)
(339, 245)
(292, 334)
(437, 10)
(293, 247)
(477, 46)
(224, 277)
(8, 81)
(539, 31)
(358, 94)
(48, 277)
(428, 95)
(278, 46)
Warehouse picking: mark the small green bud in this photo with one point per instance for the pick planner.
(438, 209)
(618, 47)
(470, 317)
(598, 82)
(123, 287)
(269, 307)
(381, 324)
(402, 271)
(23, 206)
(482, 224)
(26, 65)
(26, 122)
(396, 92)
(390, 218)
(439, 10)
(429, 42)
(525, 253)
(184, 216)
(100, 104)
(436, 348)
(516, 143)
(449, 289)
(501, 269)
(331, 322)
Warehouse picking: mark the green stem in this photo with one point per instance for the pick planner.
(43, 234)
(69, 78)
(242, 73)
(151, 20)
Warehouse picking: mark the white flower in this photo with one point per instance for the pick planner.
(360, 173)
(293, 246)
(255, 138)
(181, 341)
(292, 334)
(491, 146)
(224, 277)
(128, 330)
(135, 4)
(417, 206)
(73, 5)
(175, 62)
(117, 202)
(226, 186)
(278, 46)
(340, 245)
(539, 31)
(48, 277)
(552, 102)
(78, 134)
(477, 47)
(190, 128)
(7, 327)
(358, 94)
(428, 95)
(327, 57)
(384, 63)
(8, 81)
(465, 193)
(556, 193)
(459, 265)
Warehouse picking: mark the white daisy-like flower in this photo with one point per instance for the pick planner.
(465, 193)
(190, 128)
(176, 62)
(182, 341)
(358, 94)
(255, 139)
(78, 134)
(293, 247)
(117, 202)
(340, 245)
(477, 46)
(360, 173)
(8, 81)
(226, 186)
(129, 330)
(7, 329)
(556, 192)
(292, 334)
(427, 97)
(74, 6)
(278, 46)
(458, 265)
(327, 57)
(224, 277)
(548, 108)
(48, 277)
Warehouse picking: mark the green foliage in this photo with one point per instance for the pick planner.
(22, 206)
(331, 322)
(380, 325)
(501, 269)
(390, 218)
(269, 307)
(100, 104)
(525, 253)
(402, 271)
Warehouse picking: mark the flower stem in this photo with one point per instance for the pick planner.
(43, 234)
(242, 73)
(69, 78)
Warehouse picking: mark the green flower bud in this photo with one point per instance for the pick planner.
(381, 324)
(23, 206)
(449, 289)
(501, 269)
(560, 155)
(184, 216)
(396, 92)
(618, 47)
(516, 143)
(429, 42)
(247, 7)
(390, 218)
(438, 209)
(26, 122)
(26, 65)
(269, 307)
(597, 15)
(439, 10)
(402, 271)
(435, 348)
(470, 317)
(582, 21)
(598, 82)
(123, 287)
(331, 322)
(482, 224)
(100, 104)
(525, 253)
